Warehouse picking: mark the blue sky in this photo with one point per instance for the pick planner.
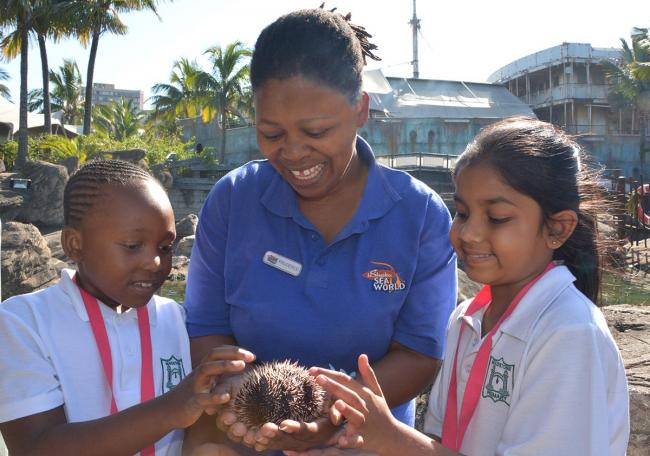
(460, 40)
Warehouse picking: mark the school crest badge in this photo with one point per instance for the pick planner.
(498, 381)
(172, 372)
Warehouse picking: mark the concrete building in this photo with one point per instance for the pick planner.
(408, 117)
(105, 93)
(566, 85)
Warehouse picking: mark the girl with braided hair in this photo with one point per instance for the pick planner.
(318, 253)
(97, 364)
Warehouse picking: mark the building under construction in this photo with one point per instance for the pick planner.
(567, 86)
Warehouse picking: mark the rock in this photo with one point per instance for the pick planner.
(71, 164)
(179, 268)
(3, 168)
(630, 326)
(10, 204)
(186, 226)
(43, 201)
(165, 178)
(27, 263)
(467, 288)
(184, 246)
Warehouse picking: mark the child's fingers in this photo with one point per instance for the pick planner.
(368, 375)
(335, 416)
(205, 371)
(210, 400)
(348, 394)
(229, 352)
(340, 377)
(355, 417)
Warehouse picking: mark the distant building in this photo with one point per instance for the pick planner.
(408, 116)
(105, 93)
(566, 85)
(428, 116)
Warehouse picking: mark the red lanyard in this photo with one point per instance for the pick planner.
(101, 339)
(453, 429)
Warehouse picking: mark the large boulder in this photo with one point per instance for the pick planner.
(43, 201)
(10, 204)
(187, 226)
(27, 262)
(184, 246)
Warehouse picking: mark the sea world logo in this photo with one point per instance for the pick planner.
(385, 278)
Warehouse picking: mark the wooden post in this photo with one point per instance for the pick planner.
(621, 199)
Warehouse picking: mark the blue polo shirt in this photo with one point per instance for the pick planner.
(260, 271)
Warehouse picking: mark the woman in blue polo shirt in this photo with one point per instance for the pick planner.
(318, 253)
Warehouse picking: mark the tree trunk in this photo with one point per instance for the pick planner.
(47, 108)
(88, 102)
(21, 157)
(222, 160)
(222, 100)
(642, 140)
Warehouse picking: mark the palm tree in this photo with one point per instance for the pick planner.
(4, 90)
(44, 21)
(630, 79)
(48, 22)
(17, 16)
(65, 94)
(96, 17)
(181, 97)
(117, 120)
(223, 88)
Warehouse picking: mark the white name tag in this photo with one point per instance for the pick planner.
(282, 263)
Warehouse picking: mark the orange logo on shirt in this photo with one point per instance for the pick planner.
(385, 279)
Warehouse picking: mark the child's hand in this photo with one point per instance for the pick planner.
(198, 393)
(369, 420)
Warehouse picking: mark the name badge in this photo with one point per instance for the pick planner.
(284, 264)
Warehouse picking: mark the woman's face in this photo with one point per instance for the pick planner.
(307, 131)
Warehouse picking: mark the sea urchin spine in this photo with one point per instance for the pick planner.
(278, 391)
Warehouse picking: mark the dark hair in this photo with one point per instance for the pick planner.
(316, 44)
(84, 186)
(544, 163)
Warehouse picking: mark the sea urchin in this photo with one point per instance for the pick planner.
(278, 391)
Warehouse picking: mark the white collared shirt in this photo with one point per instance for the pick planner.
(555, 383)
(49, 357)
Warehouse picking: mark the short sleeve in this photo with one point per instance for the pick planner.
(422, 321)
(28, 384)
(207, 312)
(434, 415)
(573, 398)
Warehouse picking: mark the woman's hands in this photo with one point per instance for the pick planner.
(289, 435)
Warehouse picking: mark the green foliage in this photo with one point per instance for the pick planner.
(55, 148)
(8, 152)
(118, 120)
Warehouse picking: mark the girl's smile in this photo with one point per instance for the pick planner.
(497, 232)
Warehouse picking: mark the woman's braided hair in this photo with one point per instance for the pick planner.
(317, 44)
(85, 185)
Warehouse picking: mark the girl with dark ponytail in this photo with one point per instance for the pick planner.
(530, 365)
